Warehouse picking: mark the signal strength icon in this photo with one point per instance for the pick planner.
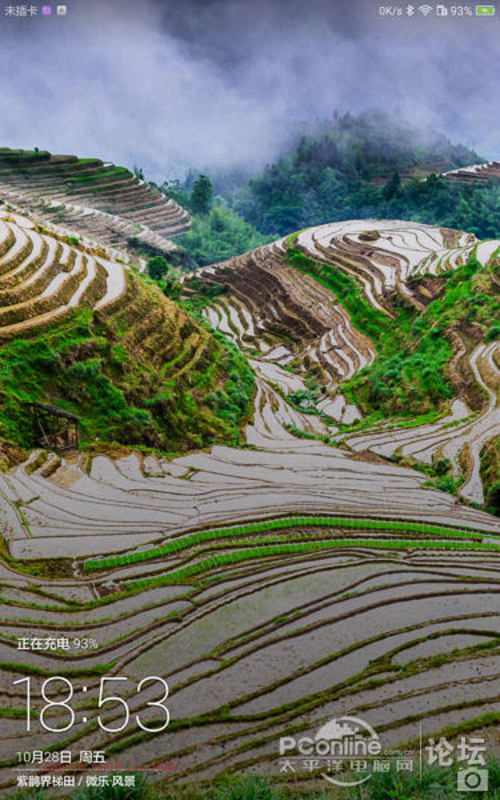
(425, 10)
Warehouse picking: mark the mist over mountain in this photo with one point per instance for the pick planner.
(172, 85)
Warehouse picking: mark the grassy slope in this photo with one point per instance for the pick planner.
(410, 375)
(145, 373)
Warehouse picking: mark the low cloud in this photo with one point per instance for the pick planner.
(169, 85)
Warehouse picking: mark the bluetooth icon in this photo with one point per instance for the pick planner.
(410, 11)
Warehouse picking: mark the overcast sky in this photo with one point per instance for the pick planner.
(172, 83)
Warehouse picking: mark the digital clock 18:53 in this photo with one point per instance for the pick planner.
(105, 697)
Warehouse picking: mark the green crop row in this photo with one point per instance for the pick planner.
(247, 554)
(191, 540)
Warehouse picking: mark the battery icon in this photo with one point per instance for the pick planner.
(485, 11)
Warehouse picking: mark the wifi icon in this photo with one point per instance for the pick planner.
(425, 10)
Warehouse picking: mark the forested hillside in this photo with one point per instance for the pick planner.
(217, 232)
(369, 166)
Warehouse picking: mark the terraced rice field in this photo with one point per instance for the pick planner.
(274, 586)
(273, 628)
(312, 332)
(42, 277)
(88, 196)
(459, 436)
(384, 254)
(477, 174)
(285, 319)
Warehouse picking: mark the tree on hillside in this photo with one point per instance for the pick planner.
(157, 267)
(171, 285)
(167, 276)
(393, 187)
(202, 195)
(219, 235)
(176, 191)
